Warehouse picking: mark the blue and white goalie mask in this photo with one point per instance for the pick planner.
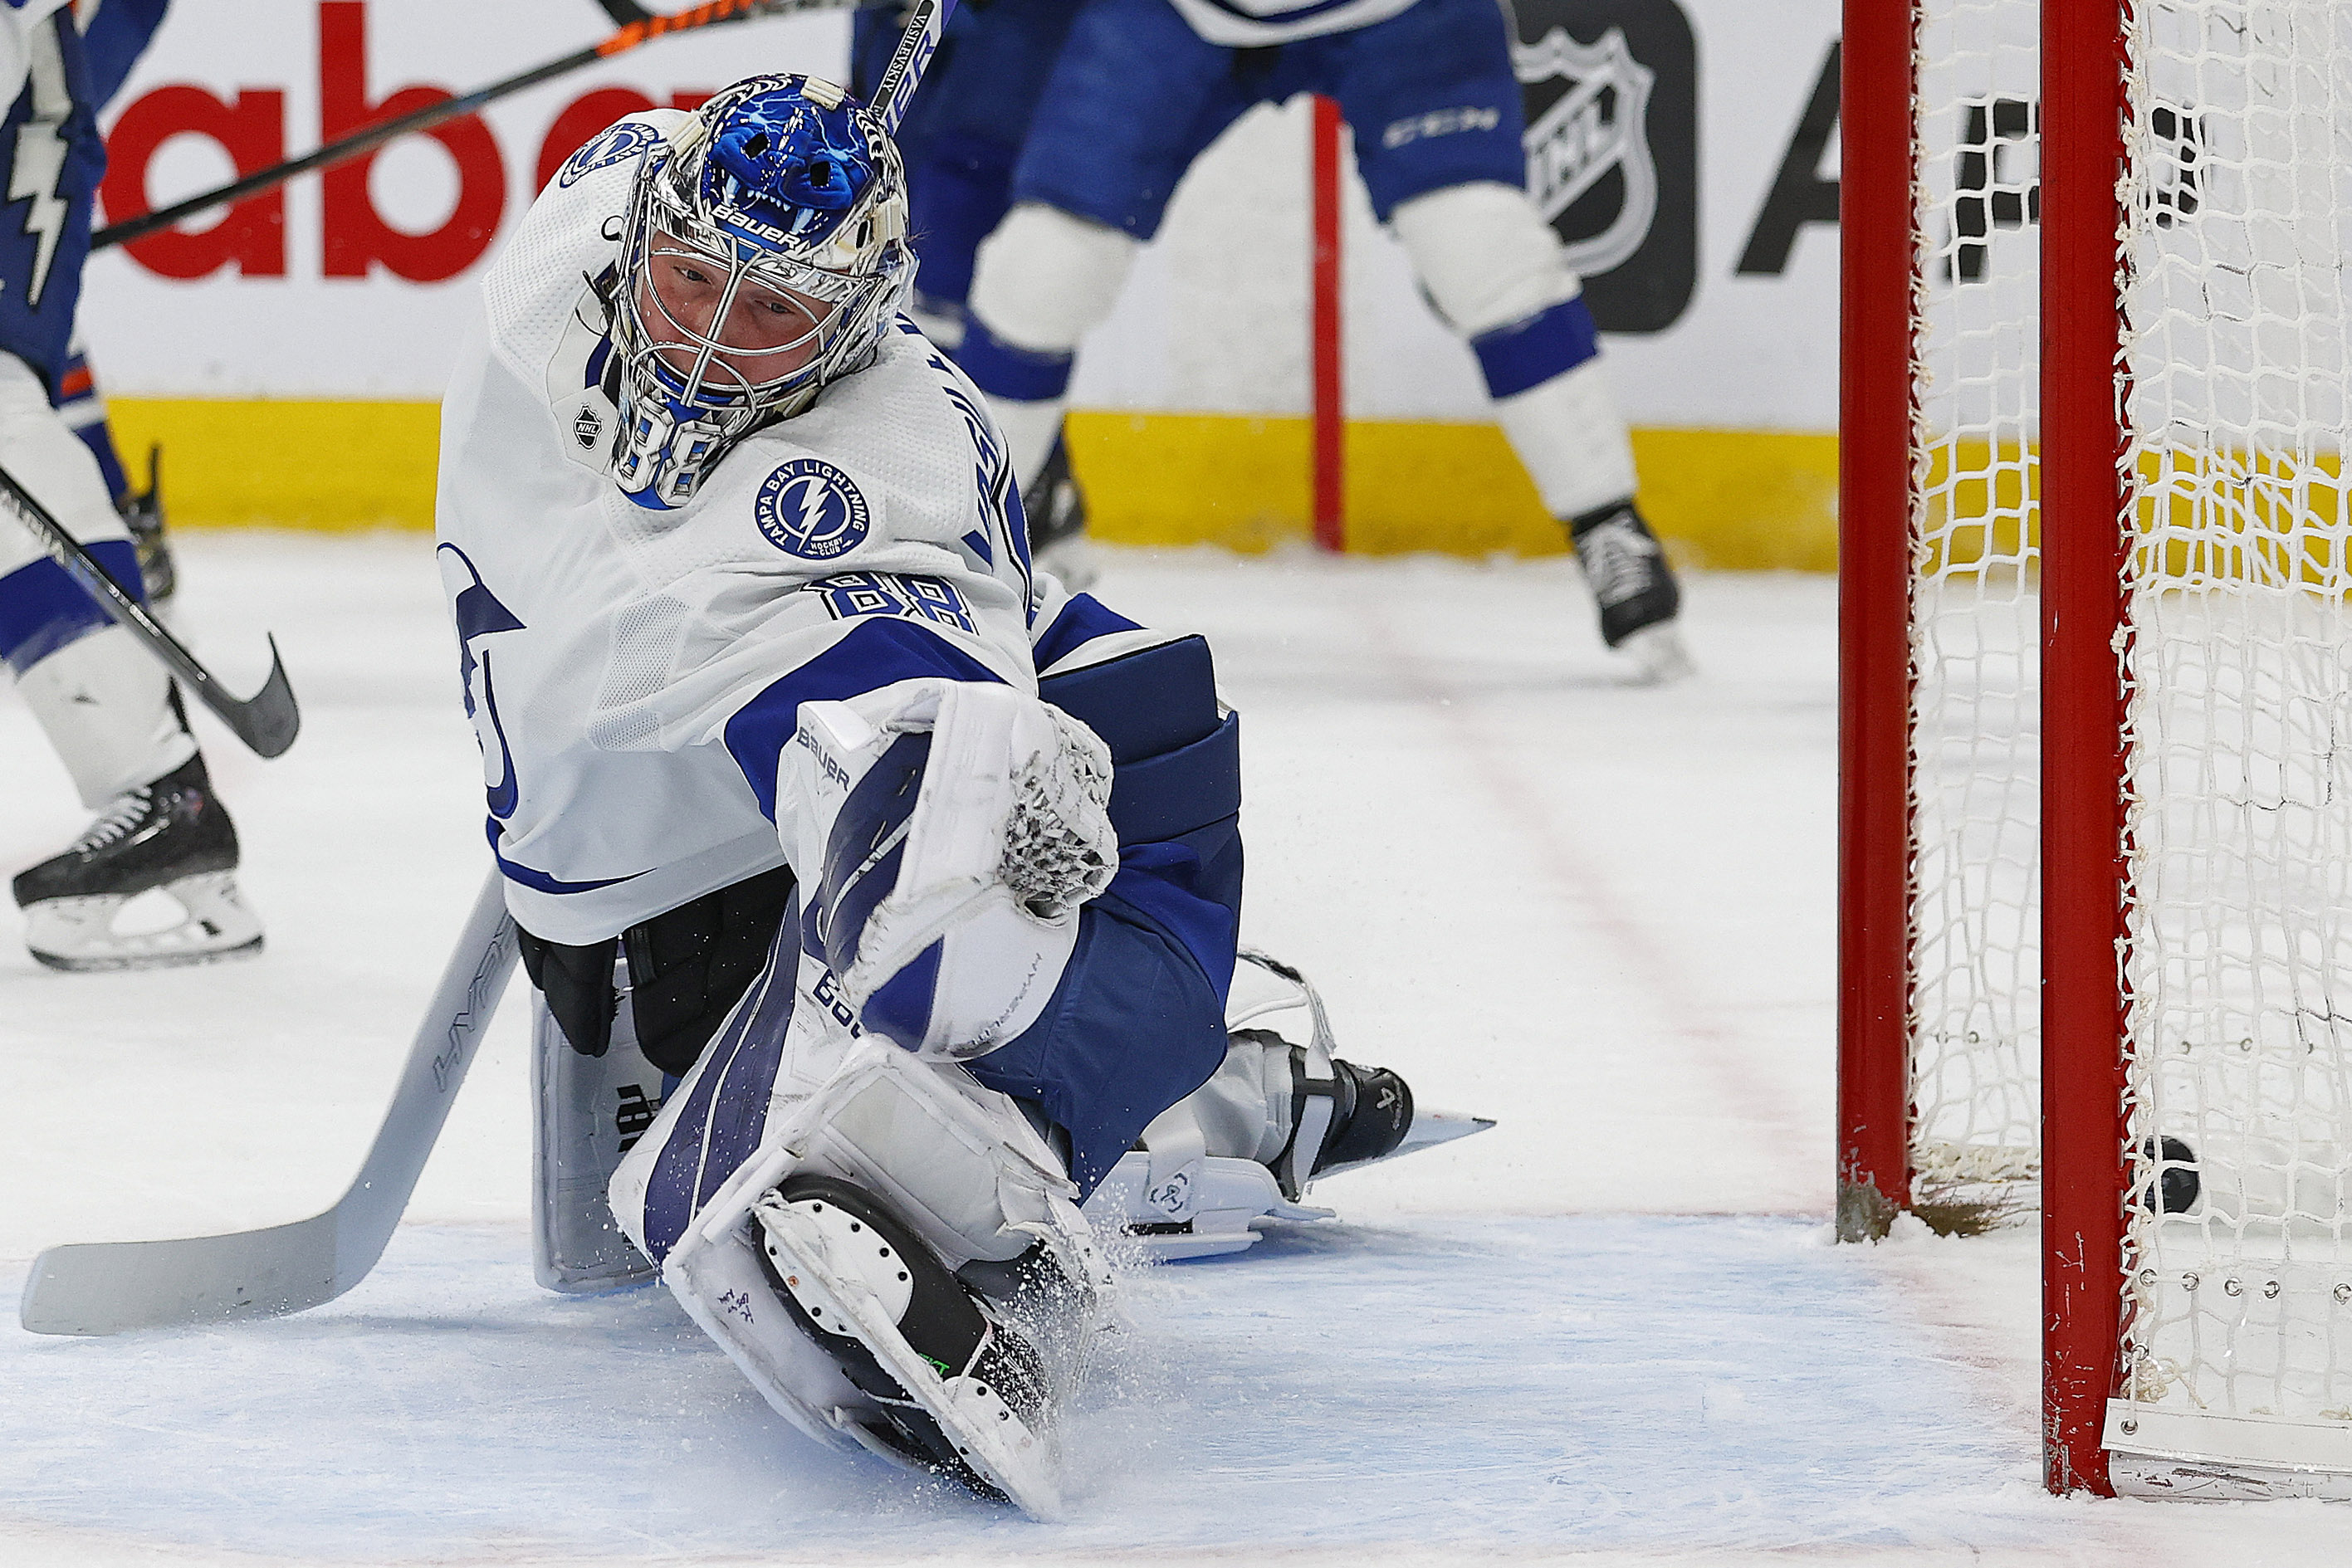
(764, 255)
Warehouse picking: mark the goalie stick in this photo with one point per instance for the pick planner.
(648, 27)
(109, 1287)
(267, 721)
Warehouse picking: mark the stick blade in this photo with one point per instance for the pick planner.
(114, 1287)
(270, 719)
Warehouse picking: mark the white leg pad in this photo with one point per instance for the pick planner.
(1485, 256)
(1009, 834)
(957, 1162)
(1571, 436)
(1045, 279)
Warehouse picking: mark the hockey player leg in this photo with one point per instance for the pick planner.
(110, 712)
(1496, 272)
(1281, 1113)
(83, 407)
(1042, 282)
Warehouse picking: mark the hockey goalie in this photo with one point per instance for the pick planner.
(910, 879)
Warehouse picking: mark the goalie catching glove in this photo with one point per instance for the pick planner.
(947, 833)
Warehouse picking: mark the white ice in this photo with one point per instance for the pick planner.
(1610, 1330)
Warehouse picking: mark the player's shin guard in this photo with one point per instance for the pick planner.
(950, 831)
(1041, 283)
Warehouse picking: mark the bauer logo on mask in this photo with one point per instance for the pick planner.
(809, 508)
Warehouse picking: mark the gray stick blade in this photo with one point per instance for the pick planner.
(111, 1287)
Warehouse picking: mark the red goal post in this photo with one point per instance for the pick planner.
(2096, 877)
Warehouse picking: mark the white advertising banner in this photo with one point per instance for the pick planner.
(1687, 145)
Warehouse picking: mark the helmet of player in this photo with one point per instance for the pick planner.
(764, 255)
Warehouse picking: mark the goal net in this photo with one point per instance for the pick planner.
(2163, 190)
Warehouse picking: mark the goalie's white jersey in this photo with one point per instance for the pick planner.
(633, 673)
(1254, 24)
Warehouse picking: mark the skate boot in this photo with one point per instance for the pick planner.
(1634, 587)
(142, 518)
(1281, 1113)
(1056, 510)
(957, 1390)
(171, 835)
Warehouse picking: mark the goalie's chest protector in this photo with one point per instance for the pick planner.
(604, 647)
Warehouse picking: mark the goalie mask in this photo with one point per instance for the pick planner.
(764, 255)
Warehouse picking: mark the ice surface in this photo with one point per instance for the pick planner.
(1607, 1330)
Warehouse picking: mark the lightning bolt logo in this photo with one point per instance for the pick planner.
(41, 159)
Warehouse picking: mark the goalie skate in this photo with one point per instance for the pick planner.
(172, 837)
(1283, 1113)
(957, 1390)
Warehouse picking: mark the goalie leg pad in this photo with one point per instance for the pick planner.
(589, 1112)
(955, 1388)
(952, 829)
(957, 1165)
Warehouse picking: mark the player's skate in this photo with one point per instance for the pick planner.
(1633, 585)
(142, 519)
(958, 1388)
(1281, 1113)
(1056, 510)
(171, 835)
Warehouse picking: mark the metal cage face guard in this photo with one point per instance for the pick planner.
(785, 193)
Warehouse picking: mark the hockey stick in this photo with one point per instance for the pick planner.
(369, 138)
(267, 721)
(918, 42)
(108, 1287)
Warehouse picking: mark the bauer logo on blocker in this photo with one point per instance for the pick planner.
(809, 508)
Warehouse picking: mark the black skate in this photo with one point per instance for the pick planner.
(960, 1392)
(1633, 585)
(142, 518)
(1056, 510)
(172, 836)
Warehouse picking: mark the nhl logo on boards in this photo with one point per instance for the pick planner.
(1610, 88)
(809, 508)
(1594, 126)
(605, 148)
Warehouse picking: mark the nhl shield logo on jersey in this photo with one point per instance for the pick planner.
(809, 508)
(606, 148)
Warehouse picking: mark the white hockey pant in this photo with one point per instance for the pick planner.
(103, 700)
(946, 833)
(1040, 284)
(959, 1162)
(1489, 262)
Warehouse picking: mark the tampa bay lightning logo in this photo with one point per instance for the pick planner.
(605, 148)
(809, 508)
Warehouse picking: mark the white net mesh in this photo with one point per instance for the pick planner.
(2239, 964)
(1976, 1034)
(2239, 669)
